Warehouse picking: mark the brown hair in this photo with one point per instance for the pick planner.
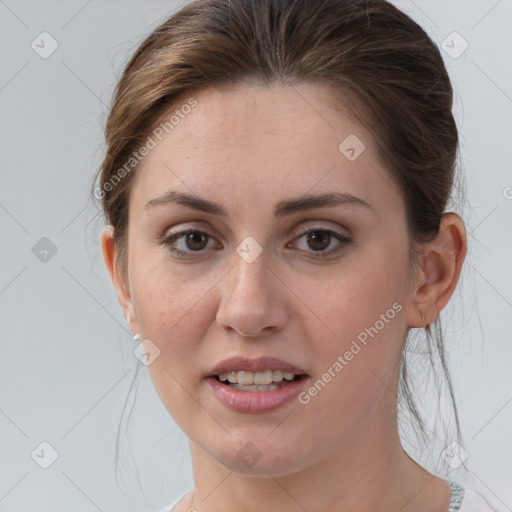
(384, 66)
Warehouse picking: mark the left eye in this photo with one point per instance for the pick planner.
(320, 239)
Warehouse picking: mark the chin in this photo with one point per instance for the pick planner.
(259, 455)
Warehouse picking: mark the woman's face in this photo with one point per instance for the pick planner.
(321, 290)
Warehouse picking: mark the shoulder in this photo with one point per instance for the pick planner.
(168, 508)
(474, 502)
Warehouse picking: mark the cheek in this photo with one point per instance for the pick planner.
(364, 295)
(174, 311)
(168, 299)
(364, 310)
(356, 370)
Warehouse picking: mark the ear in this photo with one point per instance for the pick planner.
(442, 260)
(121, 286)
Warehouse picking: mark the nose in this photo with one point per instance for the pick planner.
(253, 299)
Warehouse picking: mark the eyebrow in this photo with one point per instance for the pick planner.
(285, 207)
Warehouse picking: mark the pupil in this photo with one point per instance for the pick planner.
(192, 238)
(319, 239)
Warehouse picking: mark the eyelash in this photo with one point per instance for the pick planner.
(169, 240)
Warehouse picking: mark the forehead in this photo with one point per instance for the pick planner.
(261, 143)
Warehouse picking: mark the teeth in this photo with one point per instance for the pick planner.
(262, 377)
(277, 375)
(268, 387)
(257, 378)
(245, 378)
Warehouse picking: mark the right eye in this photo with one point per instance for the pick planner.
(188, 241)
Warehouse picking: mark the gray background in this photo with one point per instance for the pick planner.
(66, 354)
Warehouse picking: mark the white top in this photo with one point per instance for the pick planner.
(471, 501)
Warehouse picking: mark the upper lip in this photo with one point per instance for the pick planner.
(260, 364)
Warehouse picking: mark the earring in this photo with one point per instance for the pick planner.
(137, 337)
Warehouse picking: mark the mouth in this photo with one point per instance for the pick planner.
(255, 385)
(268, 380)
(248, 385)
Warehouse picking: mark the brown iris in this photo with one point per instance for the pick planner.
(318, 240)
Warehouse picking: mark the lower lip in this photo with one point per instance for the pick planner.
(256, 401)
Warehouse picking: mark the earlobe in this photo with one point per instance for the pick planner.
(442, 260)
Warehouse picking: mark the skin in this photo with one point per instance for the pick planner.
(247, 149)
